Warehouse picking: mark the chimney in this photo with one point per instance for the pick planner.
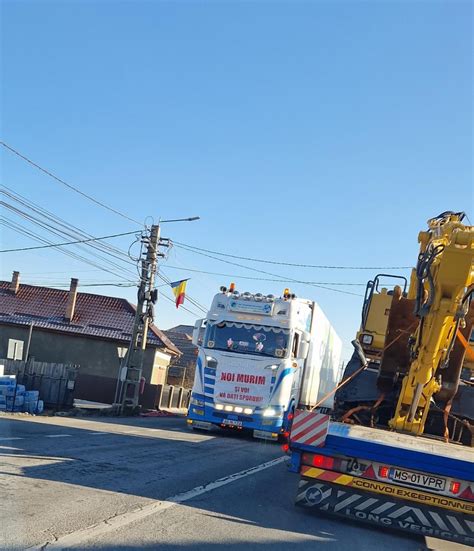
(15, 284)
(71, 299)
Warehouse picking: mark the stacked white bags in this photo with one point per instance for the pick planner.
(15, 397)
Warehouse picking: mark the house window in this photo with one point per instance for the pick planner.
(15, 350)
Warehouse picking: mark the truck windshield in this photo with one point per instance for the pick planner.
(247, 339)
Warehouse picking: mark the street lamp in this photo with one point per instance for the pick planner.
(191, 219)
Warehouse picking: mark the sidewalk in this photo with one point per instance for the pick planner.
(166, 412)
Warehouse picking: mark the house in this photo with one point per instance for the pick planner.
(182, 368)
(54, 325)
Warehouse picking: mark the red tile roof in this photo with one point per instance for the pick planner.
(94, 315)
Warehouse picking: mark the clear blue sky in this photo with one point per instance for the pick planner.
(316, 132)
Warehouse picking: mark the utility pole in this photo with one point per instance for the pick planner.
(146, 298)
(143, 317)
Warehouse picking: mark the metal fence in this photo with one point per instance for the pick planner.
(169, 396)
(55, 382)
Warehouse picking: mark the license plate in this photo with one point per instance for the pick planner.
(417, 479)
(231, 423)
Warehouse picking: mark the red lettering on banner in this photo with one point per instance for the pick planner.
(251, 379)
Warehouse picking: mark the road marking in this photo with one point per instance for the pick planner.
(75, 539)
(10, 438)
(56, 435)
(98, 433)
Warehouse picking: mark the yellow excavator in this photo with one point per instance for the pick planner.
(419, 341)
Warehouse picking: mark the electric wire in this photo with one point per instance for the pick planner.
(69, 186)
(60, 233)
(342, 284)
(65, 243)
(169, 299)
(63, 228)
(62, 224)
(166, 279)
(190, 299)
(279, 263)
(25, 231)
(269, 273)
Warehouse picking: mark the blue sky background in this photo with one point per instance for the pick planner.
(307, 132)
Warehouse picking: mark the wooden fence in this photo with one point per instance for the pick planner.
(55, 382)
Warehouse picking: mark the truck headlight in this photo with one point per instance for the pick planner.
(211, 362)
(197, 402)
(248, 411)
(219, 406)
(273, 367)
(238, 409)
(269, 412)
(367, 339)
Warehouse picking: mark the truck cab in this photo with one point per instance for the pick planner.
(258, 359)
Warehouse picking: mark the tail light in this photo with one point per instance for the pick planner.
(285, 439)
(323, 461)
(455, 487)
(384, 472)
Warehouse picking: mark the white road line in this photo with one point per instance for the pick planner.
(10, 438)
(75, 539)
(56, 435)
(99, 433)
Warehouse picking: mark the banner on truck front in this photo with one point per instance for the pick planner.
(238, 386)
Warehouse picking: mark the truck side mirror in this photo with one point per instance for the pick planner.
(196, 331)
(303, 349)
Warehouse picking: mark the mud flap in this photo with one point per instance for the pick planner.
(386, 511)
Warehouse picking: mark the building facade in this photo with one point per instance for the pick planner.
(83, 329)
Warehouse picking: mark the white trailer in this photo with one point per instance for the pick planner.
(260, 358)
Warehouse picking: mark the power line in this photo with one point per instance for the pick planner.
(293, 264)
(67, 228)
(189, 297)
(24, 231)
(104, 262)
(66, 285)
(194, 302)
(262, 278)
(67, 243)
(269, 273)
(71, 187)
(181, 306)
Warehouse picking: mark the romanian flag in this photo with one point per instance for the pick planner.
(179, 291)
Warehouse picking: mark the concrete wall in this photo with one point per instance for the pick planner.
(95, 357)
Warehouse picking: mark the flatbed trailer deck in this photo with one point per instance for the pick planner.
(415, 484)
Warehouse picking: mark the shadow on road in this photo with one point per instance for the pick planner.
(162, 460)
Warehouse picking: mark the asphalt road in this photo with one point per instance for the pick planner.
(150, 483)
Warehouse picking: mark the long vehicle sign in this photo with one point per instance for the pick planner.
(388, 489)
(419, 518)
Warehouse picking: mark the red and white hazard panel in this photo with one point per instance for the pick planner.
(309, 428)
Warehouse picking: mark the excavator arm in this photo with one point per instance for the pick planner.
(441, 286)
